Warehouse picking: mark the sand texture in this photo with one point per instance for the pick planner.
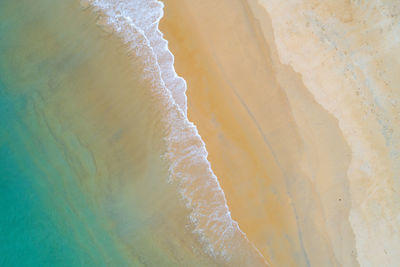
(199, 133)
(297, 104)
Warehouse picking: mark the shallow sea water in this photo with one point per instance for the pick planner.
(70, 193)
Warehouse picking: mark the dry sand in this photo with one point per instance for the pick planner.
(285, 163)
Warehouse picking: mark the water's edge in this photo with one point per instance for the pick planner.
(136, 22)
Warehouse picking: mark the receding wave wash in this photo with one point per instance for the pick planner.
(99, 165)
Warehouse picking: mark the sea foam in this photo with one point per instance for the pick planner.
(145, 16)
(136, 22)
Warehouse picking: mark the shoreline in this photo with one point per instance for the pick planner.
(181, 164)
(278, 145)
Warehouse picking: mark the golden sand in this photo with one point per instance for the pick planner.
(280, 157)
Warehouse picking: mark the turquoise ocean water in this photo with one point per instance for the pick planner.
(46, 219)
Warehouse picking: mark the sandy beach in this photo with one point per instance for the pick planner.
(281, 157)
(199, 133)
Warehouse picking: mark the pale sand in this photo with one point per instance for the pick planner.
(280, 157)
(348, 59)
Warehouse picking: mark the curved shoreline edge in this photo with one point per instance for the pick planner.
(213, 223)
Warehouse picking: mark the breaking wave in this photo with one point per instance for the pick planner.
(136, 22)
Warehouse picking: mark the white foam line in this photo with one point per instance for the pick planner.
(146, 15)
(186, 148)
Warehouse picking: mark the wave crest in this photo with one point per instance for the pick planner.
(136, 22)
